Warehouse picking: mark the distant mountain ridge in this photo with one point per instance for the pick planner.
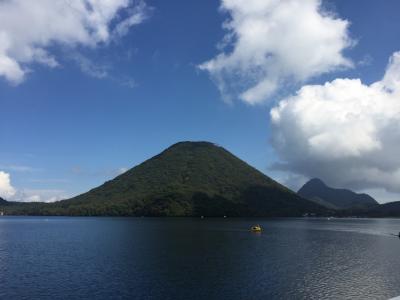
(3, 202)
(317, 191)
(187, 179)
(391, 209)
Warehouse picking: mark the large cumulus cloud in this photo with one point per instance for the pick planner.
(270, 43)
(345, 132)
(29, 29)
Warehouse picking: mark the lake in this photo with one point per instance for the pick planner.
(156, 258)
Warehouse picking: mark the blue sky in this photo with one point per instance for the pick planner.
(108, 103)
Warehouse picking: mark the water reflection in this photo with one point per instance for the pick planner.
(125, 258)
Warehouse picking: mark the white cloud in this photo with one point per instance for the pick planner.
(100, 70)
(6, 189)
(136, 16)
(33, 198)
(272, 43)
(89, 67)
(345, 132)
(29, 29)
(19, 168)
(122, 170)
(39, 195)
(10, 193)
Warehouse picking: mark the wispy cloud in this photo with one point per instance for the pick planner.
(49, 180)
(105, 172)
(90, 68)
(101, 70)
(19, 168)
(367, 60)
(126, 81)
(30, 29)
(137, 14)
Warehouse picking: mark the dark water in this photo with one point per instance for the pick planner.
(123, 258)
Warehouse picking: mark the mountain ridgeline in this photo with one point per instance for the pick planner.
(339, 199)
(391, 209)
(3, 202)
(187, 179)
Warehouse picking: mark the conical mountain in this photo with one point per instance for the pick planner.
(189, 179)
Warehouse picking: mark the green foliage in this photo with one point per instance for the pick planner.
(187, 179)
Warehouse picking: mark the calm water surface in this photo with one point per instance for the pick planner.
(144, 258)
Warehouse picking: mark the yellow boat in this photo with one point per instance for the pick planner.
(256, 228)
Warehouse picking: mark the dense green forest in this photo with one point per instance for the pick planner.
(187, 179)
